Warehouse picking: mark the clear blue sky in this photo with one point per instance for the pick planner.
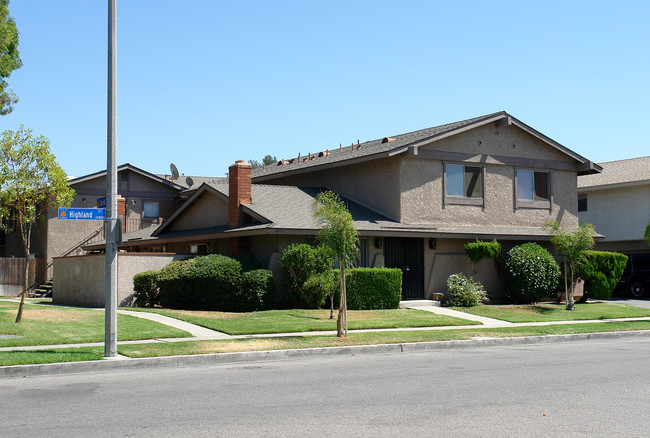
(203, 83)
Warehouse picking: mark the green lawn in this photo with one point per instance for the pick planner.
(296, 320)
(556, 312)
(281, 343)
(47, 324)
(51, 356)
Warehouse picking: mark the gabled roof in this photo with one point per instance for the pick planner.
(127, 166)
(399, 144)
(633, 171)
(282, 207)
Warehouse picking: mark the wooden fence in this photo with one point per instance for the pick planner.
(12, 271)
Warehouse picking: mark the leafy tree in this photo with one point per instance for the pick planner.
(9, 57)
(266, 161)
(31, 182)
(646, 236)
(573, 246)
(339, 234)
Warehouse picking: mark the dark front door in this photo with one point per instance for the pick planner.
(407, 255)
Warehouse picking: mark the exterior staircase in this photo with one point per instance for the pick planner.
(43, 290)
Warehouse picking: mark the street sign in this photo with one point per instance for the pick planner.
(88, 214)
(101, 202)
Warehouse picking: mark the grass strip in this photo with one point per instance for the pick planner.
(50, 356)
(48, 325)
(283, 343)
(556, 312)
(298, 320)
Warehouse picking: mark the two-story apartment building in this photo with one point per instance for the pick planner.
(416, 199)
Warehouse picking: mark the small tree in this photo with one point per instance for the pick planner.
(31, 182)
(646, 236)
(340, 235)
(266, 161)
(573, 246)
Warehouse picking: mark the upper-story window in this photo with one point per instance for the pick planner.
(151, 209)
(463, 184)
(582, 202)
(533, 189)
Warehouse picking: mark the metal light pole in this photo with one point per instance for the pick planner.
(110, 327)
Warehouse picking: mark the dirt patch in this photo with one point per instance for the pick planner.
(57, 315)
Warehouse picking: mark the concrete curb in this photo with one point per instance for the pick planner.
(275, 355)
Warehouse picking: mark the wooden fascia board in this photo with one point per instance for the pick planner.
(203, 188)
(497, 160)
(613, 186)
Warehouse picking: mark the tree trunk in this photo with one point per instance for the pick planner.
(566, 287)
(571, 303)
(332, 306)
(341, 324)
(25, 234)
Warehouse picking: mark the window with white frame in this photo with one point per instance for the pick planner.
(463, 184)
(151, 209)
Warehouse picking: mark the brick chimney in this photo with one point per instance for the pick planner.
(121, 211)
(239, 192)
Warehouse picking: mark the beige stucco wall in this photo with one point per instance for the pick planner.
(422, 198)
(621, 214)
(372, 183)
(208, 210)
(80, 280)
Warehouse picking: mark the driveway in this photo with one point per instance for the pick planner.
(630, 302)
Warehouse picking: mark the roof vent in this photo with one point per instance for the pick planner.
(387, 139)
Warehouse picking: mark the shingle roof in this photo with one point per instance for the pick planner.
(621, 172)
(366, 149)
(396, 144)
(290, 207)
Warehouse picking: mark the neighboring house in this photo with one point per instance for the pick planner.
(416, 198)
(145, 199)
(617, 203)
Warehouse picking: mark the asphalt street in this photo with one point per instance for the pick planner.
(582, 388)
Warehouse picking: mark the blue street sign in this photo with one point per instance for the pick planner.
(89, 214)
(101, 202)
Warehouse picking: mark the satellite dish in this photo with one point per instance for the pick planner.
(174, 170)
(189, 181)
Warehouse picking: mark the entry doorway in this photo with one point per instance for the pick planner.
(407, 254)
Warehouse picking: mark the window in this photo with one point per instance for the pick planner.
(582, 202)
(463, 184)
(151, 209)
(533, 189)
(200, 249)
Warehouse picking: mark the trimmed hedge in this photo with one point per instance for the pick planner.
(216, 282)
(371, 288)
(479, 250)
(531, 273)
(601, 272)
(299, 263)
(145, 289)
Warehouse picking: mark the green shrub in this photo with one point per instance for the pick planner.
(371, 288)
(145, 289)
(479, 250)
(258, 290)
(463, 291)
(216, 282)
(531, 273)
(601, 272)
(320, 286)
(299, 262)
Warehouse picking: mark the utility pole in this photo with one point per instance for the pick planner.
(110, 327)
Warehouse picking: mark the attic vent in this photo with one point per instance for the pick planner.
(387, 139)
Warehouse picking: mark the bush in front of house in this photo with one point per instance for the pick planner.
(216, 282)
(299, 262)
(531, 273)
(145, 289)
(479, 250)
(371, 288)
(601, 272)
(463, 291)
